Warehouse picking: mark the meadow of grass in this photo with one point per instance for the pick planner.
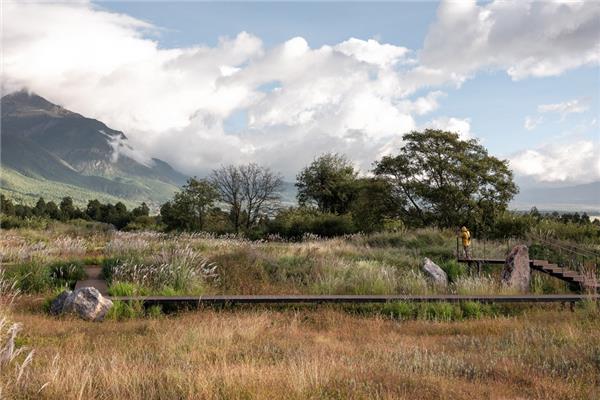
(309, 353)
(397, 350)
(193, 264)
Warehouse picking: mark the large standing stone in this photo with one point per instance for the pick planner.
(86, 302)
(435, 273)
(517, 272)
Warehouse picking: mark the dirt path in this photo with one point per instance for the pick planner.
(93, 279)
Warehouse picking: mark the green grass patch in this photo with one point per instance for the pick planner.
(127, 289)
(438, 311)
(66, 273)
(38, 277)
(122, 310)
(453, 269)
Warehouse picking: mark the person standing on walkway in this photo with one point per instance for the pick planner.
(466, 241)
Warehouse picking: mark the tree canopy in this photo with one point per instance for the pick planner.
(190, 206)
(439, 179)
(329, 182)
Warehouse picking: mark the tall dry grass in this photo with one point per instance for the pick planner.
(306, 354)
(14, 359)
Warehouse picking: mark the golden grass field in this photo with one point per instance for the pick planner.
(312, 354)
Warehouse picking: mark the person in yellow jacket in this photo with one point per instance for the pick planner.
(466, 240)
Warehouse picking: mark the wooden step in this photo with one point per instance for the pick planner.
(568, 274)
(553, 270)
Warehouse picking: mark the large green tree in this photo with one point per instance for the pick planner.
(329, 182)
(372, 204)
(439, 179)
(190, 206)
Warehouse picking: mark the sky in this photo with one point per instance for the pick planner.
(201, 84)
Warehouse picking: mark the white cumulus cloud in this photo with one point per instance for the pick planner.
(462, 126)
(172, 103)
(354, 97)
(576, 161)
(371, 51)
(525, 38)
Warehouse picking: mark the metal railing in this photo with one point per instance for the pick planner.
(483, 249)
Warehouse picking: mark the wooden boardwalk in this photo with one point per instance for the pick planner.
(196, 301)
(93, 279)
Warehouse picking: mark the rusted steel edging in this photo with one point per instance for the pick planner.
(358, 299)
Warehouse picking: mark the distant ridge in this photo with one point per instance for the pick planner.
(45, 143)
(585, 197)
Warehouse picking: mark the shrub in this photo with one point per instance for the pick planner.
(182, 269)
(552, 229)
(122, 289)
(154, 311)
(36, 277)
(510, 225)
(294, 223)
(394, 225)
(471, 309)
(32, 277)
(125, 310)
(142, 223)
(453, 269)
(330, 225)
(66, 273)
(13, 222)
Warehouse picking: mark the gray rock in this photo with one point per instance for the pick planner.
(435, 273)
(59, 302)
(87, 303)
(517, 272)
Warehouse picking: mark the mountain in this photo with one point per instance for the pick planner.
(47, 150)
(584, 197)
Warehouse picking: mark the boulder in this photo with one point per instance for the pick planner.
(435, 273)
(517, 272)
(59, 302)
(85, 302)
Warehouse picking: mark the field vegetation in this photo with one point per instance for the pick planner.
(150, 262)
(227, 234)
(307, 353)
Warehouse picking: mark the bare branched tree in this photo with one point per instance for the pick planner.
(251, 191)
(227, 181)
(260, 188)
